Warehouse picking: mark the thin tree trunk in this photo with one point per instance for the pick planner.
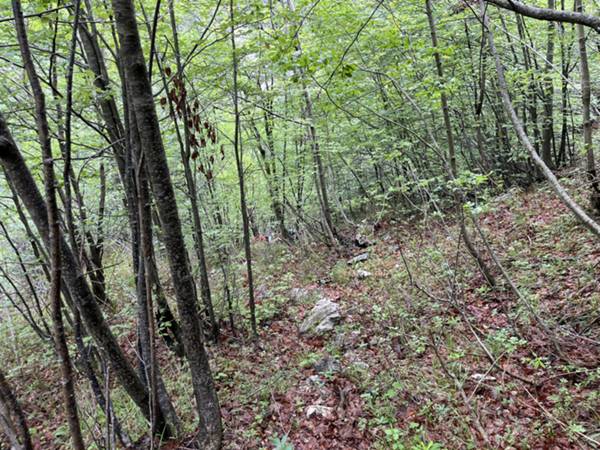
(139, 92)
(20, 438)
(451, 150)
(587, 120)
(191, 186)
(85, 356)
(168, 325)
(237, 147)
(46, 333)
(54, 238)
(548, 88)
(320, 184)
(266, 158)
(21, 179)
(159, 397)
(565, 58)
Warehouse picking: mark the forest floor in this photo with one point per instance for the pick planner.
(426, 355)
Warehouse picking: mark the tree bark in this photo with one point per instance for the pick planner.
(240, 170)
(548, 88)
(586, 94)
(193, 194)
(159, 397)
(141, 99)
(168, 325)
(320, 184)
(24, 185)
(549, 14)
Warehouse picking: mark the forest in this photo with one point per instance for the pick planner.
(299, 224)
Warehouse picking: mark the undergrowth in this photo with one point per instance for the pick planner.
(430, 356)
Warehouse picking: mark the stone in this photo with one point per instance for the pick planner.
(319, 410)
(322, 318)
(480, 377)
(359, 258)
(340, 340)
(315, 379)
(362, 274)
(327, 365)
(375, 342)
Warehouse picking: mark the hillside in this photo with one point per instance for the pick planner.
(299, 224)
(425, 354)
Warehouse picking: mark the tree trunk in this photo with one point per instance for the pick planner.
(159, 397)
(548, 88)
(185, 150)
(18, 431)
(54, 234)
(587, 120)
(141, 99)
(320, 184)
(240, 170)
(581, 215)
(20, 177)
(452, 169)
(168, 325)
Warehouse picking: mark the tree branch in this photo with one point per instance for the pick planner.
(548, 14)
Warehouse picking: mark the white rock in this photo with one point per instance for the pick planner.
(362, 274)
(359, 258)
(315, 379)
(319, 410)
(322, 318)
(482, 377)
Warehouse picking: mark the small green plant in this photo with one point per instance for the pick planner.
(575, 429)
(393, 438)
(396, 439)
(503, 342)
(309, 359)
(281, 443)
(539, 362)
(394, 390)
(270, 308)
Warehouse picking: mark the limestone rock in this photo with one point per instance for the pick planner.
(362, 274)
(322, 318)
(319, 410)
(359, 258)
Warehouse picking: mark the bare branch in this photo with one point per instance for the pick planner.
(549, 14)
